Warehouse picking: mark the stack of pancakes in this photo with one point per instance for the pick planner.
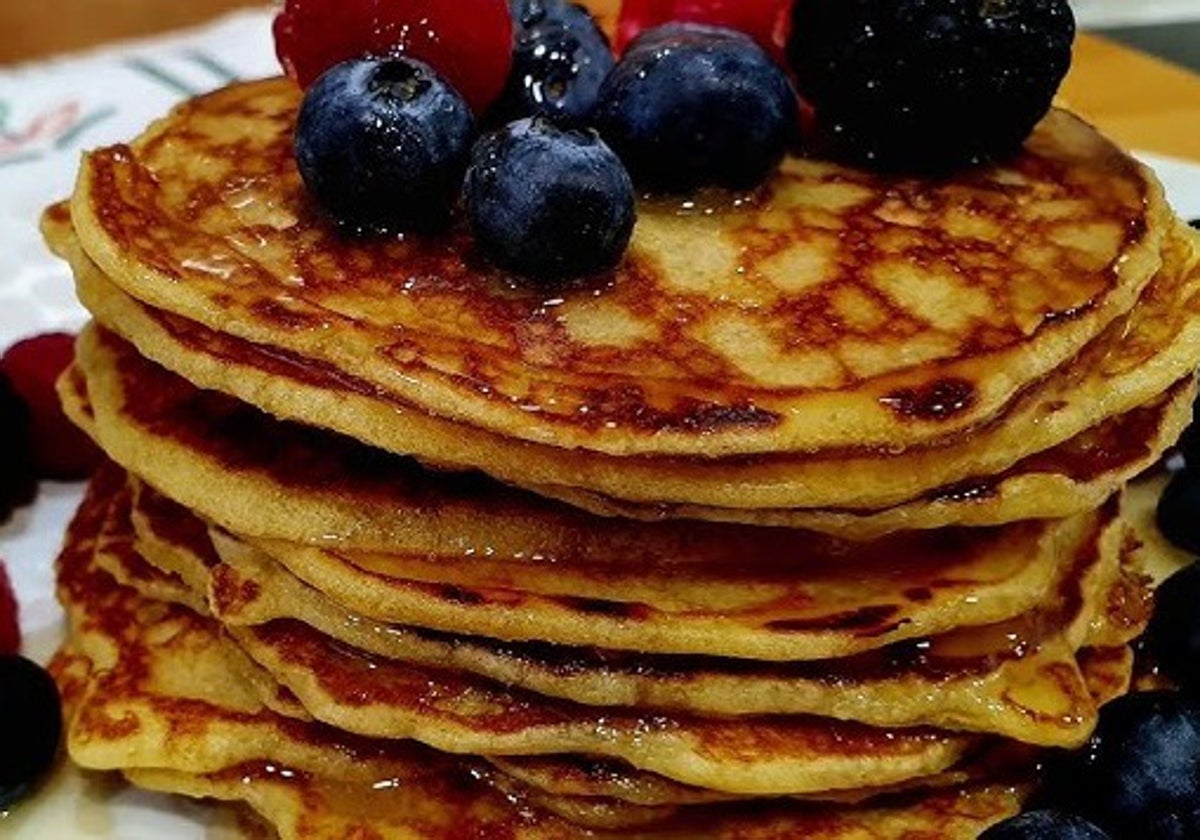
(805, 521)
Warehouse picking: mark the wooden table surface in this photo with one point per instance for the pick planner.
(1143, 102)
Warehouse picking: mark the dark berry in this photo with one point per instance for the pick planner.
(30, 726)
(929, 84)
(763, 20)
(469, 42)
(1179, 511)
(18, 478)
(1195, 223)
(1044, 825)
(60, 450)
(1139, 773)
(549, 202)
(382, 144)
(10, 616)
(692, 105)
(1174, 632)
(560, 59)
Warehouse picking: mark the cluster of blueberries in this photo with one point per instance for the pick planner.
(386, 144)
(1139, 774)
(389, 144)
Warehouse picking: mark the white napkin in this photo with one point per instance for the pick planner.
(52, 110)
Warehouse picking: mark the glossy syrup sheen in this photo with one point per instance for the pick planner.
(912, 307)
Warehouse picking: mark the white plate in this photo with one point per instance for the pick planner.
(75, 806)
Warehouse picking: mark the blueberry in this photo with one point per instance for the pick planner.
(549, 202)
(929, 84)
(1195, 223)
(18, 478)
(1174, 632)
(560, 58)
(30, 726)
(382, 144)
(1179, 511)
(692, 105)
(1044, 825)
(1139, 773)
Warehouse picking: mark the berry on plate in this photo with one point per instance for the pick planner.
(559, 60)
(1139, 773)
(929, 86)
(1044, 825)
(1177, 509)
(382, 144)
(469, 42)
(18, 478)
(765, 21)
(1174, 631)
(549, 202)
(30, 726)
(60, 450)
(10, 617)
(691, 105)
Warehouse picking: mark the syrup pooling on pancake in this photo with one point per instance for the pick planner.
(904, 317)
(1130, 363)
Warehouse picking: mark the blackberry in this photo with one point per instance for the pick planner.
(929, 85)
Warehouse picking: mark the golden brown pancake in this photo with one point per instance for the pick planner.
(833, 308)
(1132, 362)
(149, 693)
(973, 680)
(489, 535)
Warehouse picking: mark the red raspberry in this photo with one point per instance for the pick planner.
(60, 450)
(469, 42)
(10, 628)
(764, 20)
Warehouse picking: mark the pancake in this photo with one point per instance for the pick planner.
(832, 308)
(981, 681)
(304, 809)
(149, 694)
(977, 578)
(1131, 363)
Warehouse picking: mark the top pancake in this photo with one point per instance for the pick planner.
(832, 308)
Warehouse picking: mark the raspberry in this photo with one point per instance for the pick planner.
(10, 628)
(60, 450)
(766, 21)
(469, 42)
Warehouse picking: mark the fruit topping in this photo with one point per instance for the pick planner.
(60, 450)
(559, 60)
(692, 105)
(1044, 825)
(30, 726)
(1174, 633)
(18, 479)
(765, 21)
(10, 617)
(382, 144)
(1177, 519)
(1139, 773)
(468, 41)
(921, 85)
(547, 201)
